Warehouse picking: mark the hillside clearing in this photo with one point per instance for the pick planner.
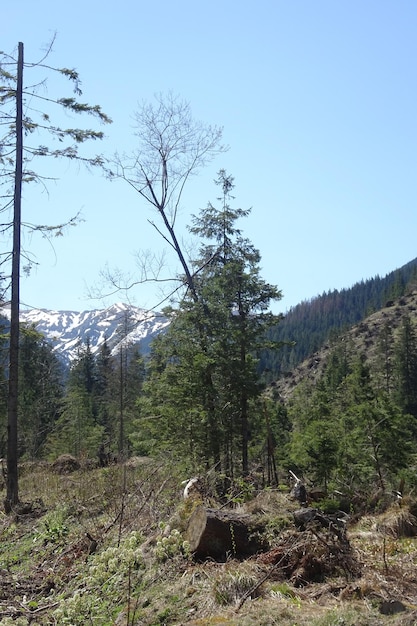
(107, 546)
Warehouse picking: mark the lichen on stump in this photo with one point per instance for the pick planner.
(220, 533)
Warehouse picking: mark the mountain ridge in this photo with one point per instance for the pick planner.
(116, 324)
(302, 331)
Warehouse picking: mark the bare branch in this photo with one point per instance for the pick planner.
(172, 147)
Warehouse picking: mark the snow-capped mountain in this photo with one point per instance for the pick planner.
(120, 322)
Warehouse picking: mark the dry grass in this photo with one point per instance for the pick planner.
(106, 547)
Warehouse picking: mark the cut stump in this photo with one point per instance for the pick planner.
(219, 533)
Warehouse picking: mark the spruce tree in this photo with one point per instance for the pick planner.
(406, 368)
(78, 430)
(208, 357)
(41, 391)
(347, 430)
(105, 392)
(315, 437)
(385, 361)
(377, 433)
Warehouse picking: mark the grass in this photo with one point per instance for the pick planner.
(108, 547)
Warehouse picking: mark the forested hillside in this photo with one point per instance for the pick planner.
(307, 326)
(375, 339)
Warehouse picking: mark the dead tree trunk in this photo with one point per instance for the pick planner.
(12, 496)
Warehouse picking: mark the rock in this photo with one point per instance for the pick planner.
(391, 607)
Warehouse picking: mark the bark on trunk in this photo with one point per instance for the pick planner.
(219, 533)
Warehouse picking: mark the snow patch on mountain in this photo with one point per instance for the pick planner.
(67, 330)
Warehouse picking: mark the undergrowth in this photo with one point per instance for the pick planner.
(109, 547)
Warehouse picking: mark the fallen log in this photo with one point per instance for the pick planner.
(219, 533)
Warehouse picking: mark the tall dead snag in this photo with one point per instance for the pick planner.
(12, 496)
(16, 157)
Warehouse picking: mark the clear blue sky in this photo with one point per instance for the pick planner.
(318, 103)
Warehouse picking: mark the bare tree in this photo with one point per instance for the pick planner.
(172, 147)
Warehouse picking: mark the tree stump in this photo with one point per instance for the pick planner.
(66, 464)
(218, 533)
(335, 523)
